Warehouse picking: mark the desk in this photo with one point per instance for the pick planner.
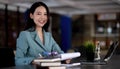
(114, 63)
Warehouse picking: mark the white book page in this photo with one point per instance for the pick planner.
(69, 55)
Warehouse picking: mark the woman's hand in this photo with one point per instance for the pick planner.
(68, 61)
(35, 63)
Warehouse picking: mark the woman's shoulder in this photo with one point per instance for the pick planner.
(23, 33)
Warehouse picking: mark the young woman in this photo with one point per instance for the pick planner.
(34, 40)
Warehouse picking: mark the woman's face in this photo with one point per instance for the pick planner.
(39, 16)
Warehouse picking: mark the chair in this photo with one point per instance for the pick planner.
(7, 57)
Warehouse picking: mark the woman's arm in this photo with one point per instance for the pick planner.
(21, 56)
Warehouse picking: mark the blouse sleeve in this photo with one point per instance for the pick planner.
(21, 57)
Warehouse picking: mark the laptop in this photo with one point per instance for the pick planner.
(107, 57)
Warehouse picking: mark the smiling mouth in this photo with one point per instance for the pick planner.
(41, 21)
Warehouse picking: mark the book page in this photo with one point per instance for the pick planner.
(47, 60)
(70, 55)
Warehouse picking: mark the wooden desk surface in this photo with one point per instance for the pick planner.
(114, 63)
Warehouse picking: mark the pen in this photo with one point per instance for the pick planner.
(40, 55)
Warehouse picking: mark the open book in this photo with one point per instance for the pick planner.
(69, 55)
(47, 59)
(59, 57)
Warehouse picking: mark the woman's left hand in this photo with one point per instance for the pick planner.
(68, 61)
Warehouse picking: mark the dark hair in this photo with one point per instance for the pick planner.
(30, 23)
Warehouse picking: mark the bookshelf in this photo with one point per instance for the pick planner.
(107, 28)
(12, 22)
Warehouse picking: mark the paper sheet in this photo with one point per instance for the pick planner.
(69, 55)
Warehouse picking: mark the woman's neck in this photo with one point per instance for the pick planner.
(39, 30)
(40, 34)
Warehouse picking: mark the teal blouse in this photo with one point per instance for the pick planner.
(29, 46)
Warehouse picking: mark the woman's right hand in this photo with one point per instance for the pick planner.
(35, 63)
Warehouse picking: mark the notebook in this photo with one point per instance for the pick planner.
(107, 57)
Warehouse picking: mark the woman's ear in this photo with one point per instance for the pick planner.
(31, 15)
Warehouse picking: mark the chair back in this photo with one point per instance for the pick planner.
(7, 57)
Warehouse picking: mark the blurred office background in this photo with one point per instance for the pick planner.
(72, 21)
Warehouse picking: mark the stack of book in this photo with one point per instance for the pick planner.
(55, 63)
(49, 63)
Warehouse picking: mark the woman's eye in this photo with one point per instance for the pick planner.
(42, 14)
(39, 13)
(45, 14)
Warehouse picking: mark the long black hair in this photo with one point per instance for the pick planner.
(30, 23)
